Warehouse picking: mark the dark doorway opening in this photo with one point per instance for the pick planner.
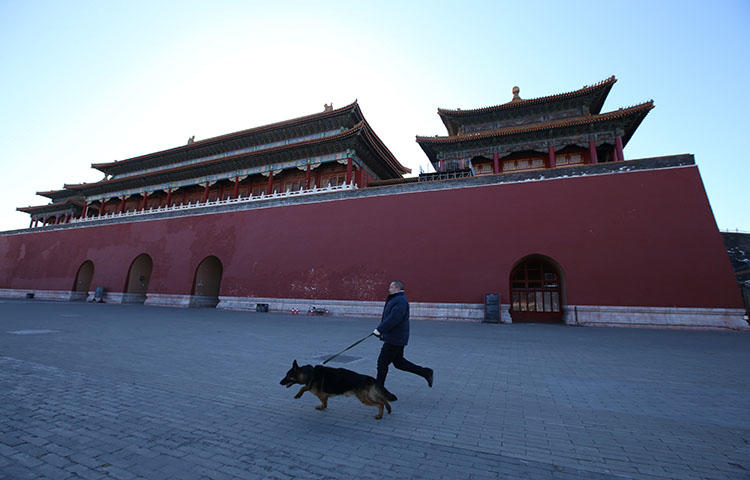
(82, 282)
(139, 276)
(207, 283)
(536, 291)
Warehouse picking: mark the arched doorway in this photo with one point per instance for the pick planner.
(139, 275)
(536, 291)
(206, 283)
(82, 282)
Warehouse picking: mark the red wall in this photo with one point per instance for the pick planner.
(642, 238)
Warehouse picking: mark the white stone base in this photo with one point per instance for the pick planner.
(588, 315)
(202, 301)
(287, 305)
(78, 296)
(473, 312)
(133, 298)
(111, 297)
(167, 300)
(53, 295)
(602, 315)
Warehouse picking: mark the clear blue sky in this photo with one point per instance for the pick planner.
(88, 82)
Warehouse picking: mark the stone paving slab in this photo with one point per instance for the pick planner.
(133, 392)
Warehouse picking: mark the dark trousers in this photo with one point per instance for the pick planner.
(395, 354)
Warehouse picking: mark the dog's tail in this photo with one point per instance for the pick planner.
(388, 395)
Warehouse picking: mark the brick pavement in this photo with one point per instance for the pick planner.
(127, 392)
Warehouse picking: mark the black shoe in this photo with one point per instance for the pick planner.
(429, 377)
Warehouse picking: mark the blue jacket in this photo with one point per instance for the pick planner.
(394, 326)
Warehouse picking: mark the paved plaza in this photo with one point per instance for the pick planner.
(99, 391)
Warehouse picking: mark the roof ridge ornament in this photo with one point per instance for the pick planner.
(191, 140)
(328, 107)
(516, 98)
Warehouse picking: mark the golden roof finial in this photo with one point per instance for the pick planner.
(516, 98)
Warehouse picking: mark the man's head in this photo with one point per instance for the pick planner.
(395, 287)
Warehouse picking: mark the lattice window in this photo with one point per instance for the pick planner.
(334, 180)
(568, 159)
(523, 164)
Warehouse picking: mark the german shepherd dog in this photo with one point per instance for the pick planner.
(326, 382)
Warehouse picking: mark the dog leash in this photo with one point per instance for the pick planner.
(349, 347)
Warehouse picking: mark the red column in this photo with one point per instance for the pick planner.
(143, 202)
(236, 187)
(618, 149)
(85, 208)
(205, 193)
(552, 162)
(592, 152)
(122, 204)
(169, 197)
(269, 188)
(307, 177)
(31, 223)
(101, 207)
(349, 171)
(495, 163)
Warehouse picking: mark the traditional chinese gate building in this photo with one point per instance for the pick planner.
(553, 132)
(335, 148)
(532, 199)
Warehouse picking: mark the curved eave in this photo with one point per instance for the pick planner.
(634, 115)
(52, 207)
(598, 92)
(634, 122)
(54, 194)
(390, 168)
(113, 168)
(384, 152)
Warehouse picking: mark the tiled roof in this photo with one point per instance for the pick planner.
(623, 112)
(525, 103)
(360, 128)
(229, 136)
(78, 201)
(53, 193)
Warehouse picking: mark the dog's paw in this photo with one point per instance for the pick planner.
(379, 416)
(320, 407)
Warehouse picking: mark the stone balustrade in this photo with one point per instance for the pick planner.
(228, 201)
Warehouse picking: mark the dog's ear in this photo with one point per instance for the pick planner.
(294, 364)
